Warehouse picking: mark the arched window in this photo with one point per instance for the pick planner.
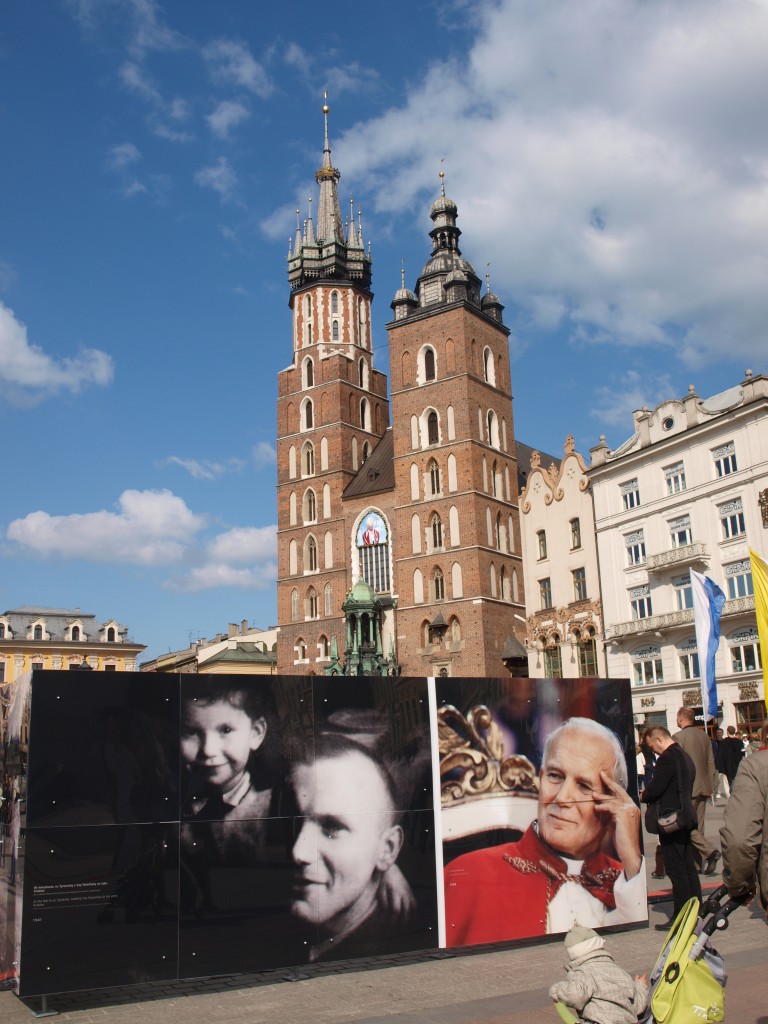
(432, 428)
(311, 558)
(493, 429)
(293, 558)
(418, 587)
(309, 417)
(437, 531)
(434, 476)
(553, 665)
(328, 541)
(415, 534)
(361, 372)
(324, 453)
(292, 508)
(504, 584)
(587, 652)
(38, 633)
(372, 542)
(439, 585)
(489, 368)
(312, 609)
(365, 417)
(335, 330)
(301, 650)
(453, 480)
(328, 600)
(308, 459)
(324, 646)
(453, 524)
(541, 539)
(494, 479)
(515, 588)
(497, 531)
(310, 506)
(457, 583)
(309, 373)
(429, 364)
(366, 452)
(75, 632)
(294, 605)
(292, 462)
(326, 501)
(334, 302)
(455, 630)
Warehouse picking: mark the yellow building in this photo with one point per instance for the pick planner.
(244, 650)
(55, 638)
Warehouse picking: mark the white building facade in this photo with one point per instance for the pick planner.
(562, 585)
(688, 490)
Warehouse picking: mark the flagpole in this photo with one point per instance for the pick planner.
(760, 585)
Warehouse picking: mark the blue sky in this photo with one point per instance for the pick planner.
(609, 160)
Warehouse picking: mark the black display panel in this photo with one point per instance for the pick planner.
(100, 907)
(238, 737)
(104, 748)
(192, 826)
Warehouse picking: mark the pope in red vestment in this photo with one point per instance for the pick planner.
(558, 874)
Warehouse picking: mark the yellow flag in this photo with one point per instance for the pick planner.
(760, 581)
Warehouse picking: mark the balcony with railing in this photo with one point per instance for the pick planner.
(675, 558)
(670, 620)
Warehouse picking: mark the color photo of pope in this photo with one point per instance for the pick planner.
(578, 862)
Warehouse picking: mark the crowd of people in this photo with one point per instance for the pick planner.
(684, 772)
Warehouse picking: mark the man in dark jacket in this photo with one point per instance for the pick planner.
(730, 752)
(671, 788)
(696, 744)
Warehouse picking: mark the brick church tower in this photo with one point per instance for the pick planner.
(331, 411)
(398, 548)
(457, 537)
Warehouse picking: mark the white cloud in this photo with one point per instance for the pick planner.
(204, 469)
(617, 401)
(231, 62)
(264, 454)
(210, 577)
(142, 19)
(149, 528)
(122, 155)
(337, 78)
(220, 177)
(242, 557)
(244, 544)
(612, 163)
(227, 115)
(165, 116)
(27, 374)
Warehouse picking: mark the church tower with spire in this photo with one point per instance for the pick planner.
(456, 531)
(332, 412)
(398, 547)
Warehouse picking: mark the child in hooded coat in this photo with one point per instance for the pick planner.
(596, 989)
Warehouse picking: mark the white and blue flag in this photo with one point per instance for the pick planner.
(708, 601)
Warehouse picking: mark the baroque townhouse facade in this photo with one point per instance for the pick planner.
(688, 490)
(398, 546)
(56, 638)
(562, 580)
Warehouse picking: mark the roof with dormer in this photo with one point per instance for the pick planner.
(377, 472)
(57, 621)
